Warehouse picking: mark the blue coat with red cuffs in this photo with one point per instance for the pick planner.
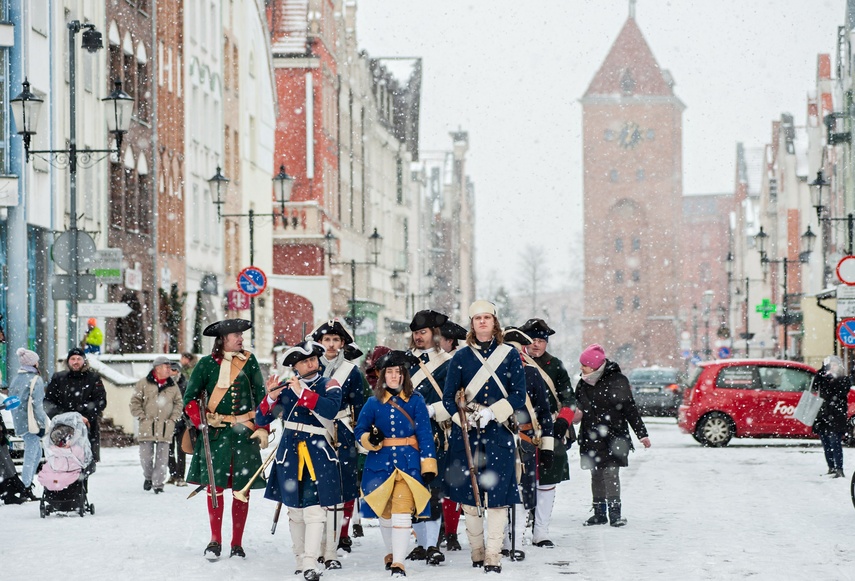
(322, 397)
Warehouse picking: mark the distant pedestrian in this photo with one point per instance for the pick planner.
(94, 337)
(29, 418)
(157, 404)
(177, 457)
(833, 384)
(188, 362)
(607, 409)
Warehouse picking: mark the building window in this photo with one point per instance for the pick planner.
(132, 221)
(619, 304)
(639, 175)
(144, 199)
(636, 244)
(618, 276)
(636, 303)
(636, 275)
(116, 201)
(399, 179)
(609, 135)
(618, 244)
(142, 92)
(613, 176)
(651, 135)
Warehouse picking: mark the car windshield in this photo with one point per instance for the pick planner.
(653, 376)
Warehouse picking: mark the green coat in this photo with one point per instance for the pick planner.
(554, 368)
(235, 457)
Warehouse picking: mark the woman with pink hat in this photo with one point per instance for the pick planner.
(607, 409)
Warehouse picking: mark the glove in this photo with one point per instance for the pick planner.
(428, 477)
(547, 457)
(645, 442)
(262, 436)
(376, 436)
(42, 433)
(431, 411)
(559, 429)
(215, 420)
(481, 418)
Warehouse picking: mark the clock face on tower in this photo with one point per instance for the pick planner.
(630, 135)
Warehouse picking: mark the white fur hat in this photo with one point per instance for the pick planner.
(482, 307)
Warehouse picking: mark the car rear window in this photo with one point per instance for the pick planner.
(737, 377)
(784, 379)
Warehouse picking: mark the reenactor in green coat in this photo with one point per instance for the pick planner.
(562, 404)
(228, 382)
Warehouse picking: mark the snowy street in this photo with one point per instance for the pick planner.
(757, 508)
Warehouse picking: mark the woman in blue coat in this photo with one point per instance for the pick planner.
(490, 375)
(394, 427)
(305, 476)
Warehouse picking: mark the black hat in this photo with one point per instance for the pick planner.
(352, 351)
(75, 351)
(302, 351)
(451, 330)
(537, 329)
(514, 335)
(332, 327)
(427, 319)
(225, 327)
(396, 358)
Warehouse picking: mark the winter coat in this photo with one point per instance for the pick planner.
(536, 389)
(156, 409)
(832, 415)
(301, 425)
(555, 369)
(352, 400)
(608, 409)
(434, 400)
(235, 457)
(493, 446)
(82, 392)
(20, 387)
(383, 463)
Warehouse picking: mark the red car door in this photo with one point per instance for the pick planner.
(781, 388)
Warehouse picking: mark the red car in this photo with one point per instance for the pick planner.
(746, 398)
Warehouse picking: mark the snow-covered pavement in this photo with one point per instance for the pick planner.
(759, 508)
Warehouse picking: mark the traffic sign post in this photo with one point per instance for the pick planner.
(846, 270)
(252, 281)
(106, 310)
(846, 332)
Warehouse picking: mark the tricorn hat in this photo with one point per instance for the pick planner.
(427, 319)
(514, 335)
(396, 358)
(332, 327)
(537, 329)
(226, 327)
(352, 351)
(451, 330)
(302, 351)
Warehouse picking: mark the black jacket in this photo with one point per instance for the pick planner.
(835, 392)
(78, 391)
(608, 409)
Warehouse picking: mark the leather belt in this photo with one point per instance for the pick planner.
(527, 426)
(410, 441)
(307, 428)
(233, 419)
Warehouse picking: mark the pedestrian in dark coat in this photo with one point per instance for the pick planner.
(607, 409)
(833, 385)
(79, 389)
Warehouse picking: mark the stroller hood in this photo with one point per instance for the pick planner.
(68, 432)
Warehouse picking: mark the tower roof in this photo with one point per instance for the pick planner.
(630, 68)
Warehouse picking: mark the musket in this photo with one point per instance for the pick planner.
(276, 518)
(209, 461)
(464, 427)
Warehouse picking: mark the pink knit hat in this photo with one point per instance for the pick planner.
(593, 356)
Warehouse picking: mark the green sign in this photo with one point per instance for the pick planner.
(766, 308)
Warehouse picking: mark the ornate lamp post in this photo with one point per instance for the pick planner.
(375, 242)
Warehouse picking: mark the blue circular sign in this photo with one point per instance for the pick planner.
(252, 281)
(723, 352)
(846, 332)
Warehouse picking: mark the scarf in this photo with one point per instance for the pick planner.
(224, 380)
(331, 366)
(593, 377)
(28, 369)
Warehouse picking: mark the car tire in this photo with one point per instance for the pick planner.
(715, 430)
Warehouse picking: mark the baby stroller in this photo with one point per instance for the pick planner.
(68, 464)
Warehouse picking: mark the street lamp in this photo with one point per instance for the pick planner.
(219, 185)
(375, 241)
(819, 183)
(707, 302)
(26, 110)
(808, 240)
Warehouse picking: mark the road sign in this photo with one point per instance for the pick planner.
(62, 287)
(846, 332)
(133, 278)
(238, 300)
(766, 308)
(60, 252)
(107, 266)
(252, 281)
(685, 353)
(723, 352)
(108, 310)
(845, 308)
(696, 359)
(846, 270)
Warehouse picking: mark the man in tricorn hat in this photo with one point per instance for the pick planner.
(305, 476)
(230, 384)
(562, 404)
(428, 377)
(451, 334)
(334, 364)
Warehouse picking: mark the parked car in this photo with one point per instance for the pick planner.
(746, 398)
(658, 391)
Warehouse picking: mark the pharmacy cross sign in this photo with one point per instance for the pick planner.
(766, 308)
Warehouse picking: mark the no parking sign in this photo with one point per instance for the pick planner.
(252, 281)
(846, 332)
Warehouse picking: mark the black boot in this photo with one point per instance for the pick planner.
(345, 544)
(451, 542)
(434, 556)
(212, 551)
(615, 518)
(417, 554)
(357, 531)
(599, 517)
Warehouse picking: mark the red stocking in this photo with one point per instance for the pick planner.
(450, 515)
(215, 515)
(348, 512)
(239, 512)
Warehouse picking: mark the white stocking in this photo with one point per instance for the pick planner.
(543, 514)
(401, 526)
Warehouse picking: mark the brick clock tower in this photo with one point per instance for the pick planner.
(632, 137)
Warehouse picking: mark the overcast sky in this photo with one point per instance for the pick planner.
(511, 74)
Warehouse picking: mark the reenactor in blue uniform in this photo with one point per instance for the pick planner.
(394, 427)
(334, 364)
(562, 403)
(488, 377)
(427, 371)
(305, 476)
(534, 425)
